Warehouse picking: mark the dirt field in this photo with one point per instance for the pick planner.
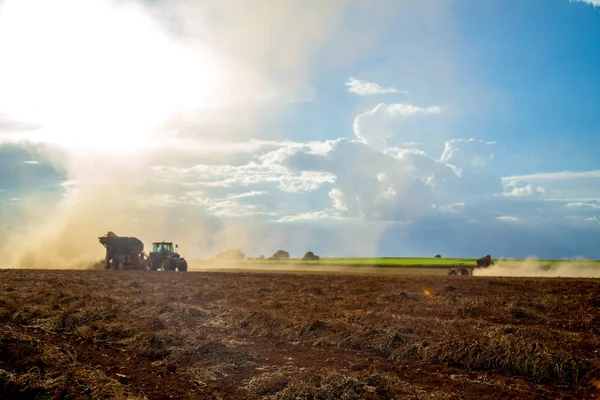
(321, 269)
(102, 334)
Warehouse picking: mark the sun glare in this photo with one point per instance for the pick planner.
(97, 74)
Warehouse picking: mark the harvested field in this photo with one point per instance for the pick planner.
(103, 334)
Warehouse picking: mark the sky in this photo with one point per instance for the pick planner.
(347, 128)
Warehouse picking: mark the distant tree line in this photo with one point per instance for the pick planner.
(238, 254)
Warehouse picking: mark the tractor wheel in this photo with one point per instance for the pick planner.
(149, 266)
(452, 272)
(165, 265)
(182, 266)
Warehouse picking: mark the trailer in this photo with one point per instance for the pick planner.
(123, 253)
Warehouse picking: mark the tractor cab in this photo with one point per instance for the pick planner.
(162, 247)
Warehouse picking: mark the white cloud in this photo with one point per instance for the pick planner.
(364, 88)
(394, 184)
(247, 194)
(408, 109)
(580, 204)
(373, 126)
(307, 181)
(468, 152)
(508, 218)
(337, 199)
(565, 185)
(309, 216)
(245, 175)
(452, 208)
(412, 144)
(595, 3)
(563, 175)
(574, 199)
(519, 189)
(228, 206)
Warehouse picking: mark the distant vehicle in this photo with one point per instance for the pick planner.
(462, 269)
(123, 252)
(163, 257)
(485, 261)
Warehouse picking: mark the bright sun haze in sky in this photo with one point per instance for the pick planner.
(92, 73)
(347, 128)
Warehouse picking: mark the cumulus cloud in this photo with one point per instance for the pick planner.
(395, 184)
(263, 169)
(374, 127)
(468, 152)
(564, 186)
(521, 189)
(345, 179)
(364, 88)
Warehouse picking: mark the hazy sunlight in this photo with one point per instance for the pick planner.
(95, 74)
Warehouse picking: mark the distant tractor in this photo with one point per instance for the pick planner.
(461, 269)
(123, 252)
(163, 257)
(485, 262)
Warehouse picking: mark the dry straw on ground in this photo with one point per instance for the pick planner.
(113, 334)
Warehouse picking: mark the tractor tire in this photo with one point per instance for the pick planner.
(149, 266)
(166, 265)
(451, 272)
(182, 266)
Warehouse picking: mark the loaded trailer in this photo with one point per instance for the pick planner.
(123, 252)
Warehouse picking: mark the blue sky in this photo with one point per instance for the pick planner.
(405, 128)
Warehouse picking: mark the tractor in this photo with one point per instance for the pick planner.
(460, 269)
(163, 257)
(123, 253)
(485, 262)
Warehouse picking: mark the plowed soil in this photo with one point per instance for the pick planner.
(209, 335)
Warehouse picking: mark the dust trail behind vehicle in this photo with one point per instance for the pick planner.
(532, 267)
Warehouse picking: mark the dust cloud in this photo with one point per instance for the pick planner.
(65, 235)
(263, 53)
(533, 267)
